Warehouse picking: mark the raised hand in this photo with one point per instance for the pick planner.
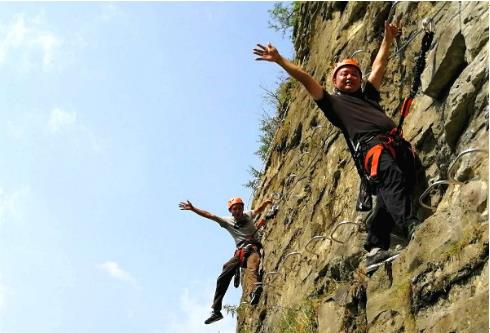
(391, 31)
(267, 53)
(186, 205)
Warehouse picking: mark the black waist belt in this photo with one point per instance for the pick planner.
(246, 242)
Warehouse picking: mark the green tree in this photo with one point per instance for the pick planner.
(283, 16)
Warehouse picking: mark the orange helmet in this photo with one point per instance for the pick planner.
(346, 62)
(234, 201)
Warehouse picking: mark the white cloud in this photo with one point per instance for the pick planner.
(60, 120)
(66, 122)
(25, 43)
(49, 44)
(12, 37)
(112, 268)
(11, 203)
(195, 308)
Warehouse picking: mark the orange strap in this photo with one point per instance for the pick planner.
(374, 153)
(242, 252)
(407, 103)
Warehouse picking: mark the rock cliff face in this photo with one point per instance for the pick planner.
(315, 281)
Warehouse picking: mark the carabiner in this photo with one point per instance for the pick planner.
(427, 24)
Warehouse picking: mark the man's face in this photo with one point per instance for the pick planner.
(348, 79)
(237, 211)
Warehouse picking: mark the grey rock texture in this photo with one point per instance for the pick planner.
(439, 283)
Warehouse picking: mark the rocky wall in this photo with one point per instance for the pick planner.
(314, 278)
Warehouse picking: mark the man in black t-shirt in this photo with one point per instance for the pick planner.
(357, 113)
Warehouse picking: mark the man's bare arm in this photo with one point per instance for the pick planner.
(188, 206)
(379, 64)
(271, 54)
(262, 206)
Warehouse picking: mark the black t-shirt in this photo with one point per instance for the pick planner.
(357, 114)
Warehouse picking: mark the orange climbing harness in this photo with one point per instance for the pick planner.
(374, 154)
(245, 249)
(396, 146)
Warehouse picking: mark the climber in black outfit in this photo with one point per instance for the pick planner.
(387, 159)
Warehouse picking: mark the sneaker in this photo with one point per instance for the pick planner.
(215, 316)
(255, 295)
(376, 257)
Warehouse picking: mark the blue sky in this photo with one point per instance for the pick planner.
(112, 113)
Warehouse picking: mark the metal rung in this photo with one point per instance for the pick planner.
(295, 253)
(270, 273)
(392, 11)
(464, 152)
(335, 229)
(427, 191)
(452, 180)
(290, 255)
(314, 238)
(276, 195)
(357, 52)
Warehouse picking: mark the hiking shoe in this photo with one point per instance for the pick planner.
(255, 295)
(377, 257)
(215, 316)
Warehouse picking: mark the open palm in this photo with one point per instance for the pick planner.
(267, 53)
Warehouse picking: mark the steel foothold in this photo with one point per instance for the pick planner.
(427, 191)
(314, 238)
(335, 229)
(464, 152)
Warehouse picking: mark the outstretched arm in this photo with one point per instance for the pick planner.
(262, 206)
(270, 53)
(379, 64)
(188, 206)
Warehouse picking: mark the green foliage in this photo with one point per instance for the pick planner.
(230, 309)
(269, 123)
(255, 181)
(284, 16)
(268, 126)
(301, 320)
(277, 101)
